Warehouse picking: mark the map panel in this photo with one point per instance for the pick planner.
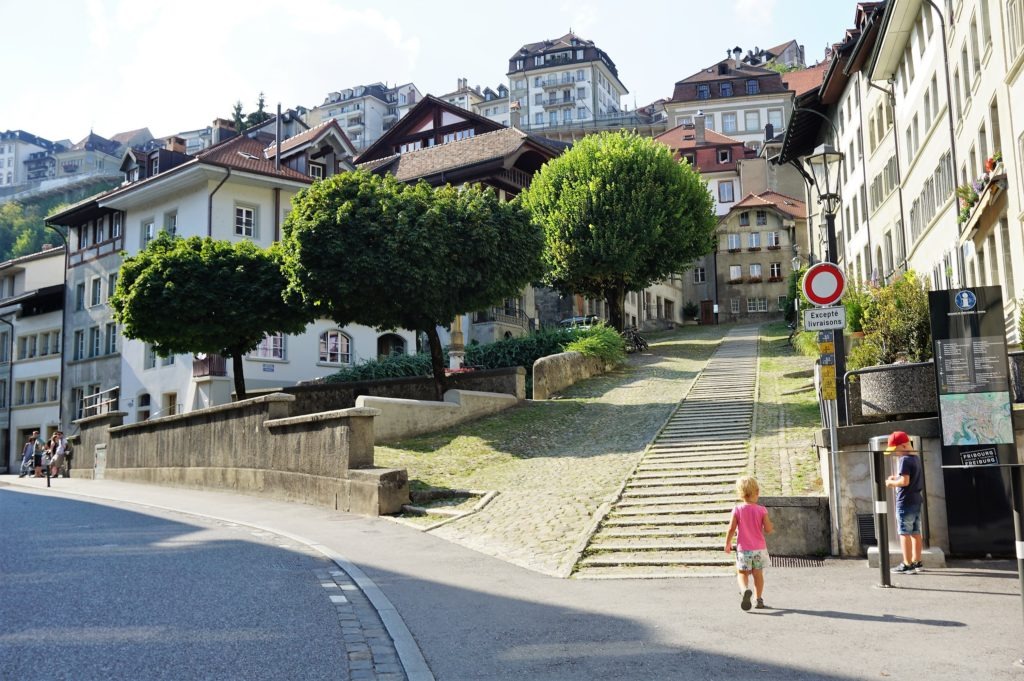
(976, 419)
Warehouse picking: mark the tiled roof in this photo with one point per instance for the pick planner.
(443, 157)
(306, 136)
(807, 79)
(247, 154)
(128, 136)
(742, 71)
(779, 49)
(566, 41)
(684, 137)
(786, 204)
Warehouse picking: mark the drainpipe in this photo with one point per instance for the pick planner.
(209, 206)
(277, 213)
(13, 309)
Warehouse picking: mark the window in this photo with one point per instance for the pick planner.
(94, 341)
(142, 413)
(111, 284)
(79, 297)
(83, 236)
(762, 217)
(733, 241)
(734, 305)
(335, 348)
(753, 87)
(757, 304)
(725, 191)
(79, 348)
(245, 221)
(724, 156)
(775, 270)
(166, 360)
(171, 222)
(773, 240)
(271, 347)
(149, 361)
(755, 270)
(1015, 26)
(729, 122)
(148, 231)
(581, 93)
(95, 291)
(703, 92)
(775, 119)
(783, 303)
(699, 275)
(115, 225)
(110, 344)
(709, 121)
(752, 120)
(170, 404)
(101, 230)
(754, 240)
(316, 171)
(744, 219)
(725, 89)
(735, 272)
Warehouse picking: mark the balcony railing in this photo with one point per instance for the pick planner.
(556, 81)
(211, 365)
(100, 403)
(504, 315)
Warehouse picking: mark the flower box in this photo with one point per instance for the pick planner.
(774, 248)
(734, 281)
(774, 279)
(754, 280)
(754, 248)
(735, 250)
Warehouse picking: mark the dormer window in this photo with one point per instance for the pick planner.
(753, 87)
(154, 166)
(703, 92)
(724, 156)
(725, 89)
(316, 171)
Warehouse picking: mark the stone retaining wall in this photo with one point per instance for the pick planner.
(801, 525)
(555, 373)
(400, 418)
(254, 446)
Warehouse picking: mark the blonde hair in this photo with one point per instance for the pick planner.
(747, 488)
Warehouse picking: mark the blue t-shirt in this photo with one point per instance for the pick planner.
(911, 495)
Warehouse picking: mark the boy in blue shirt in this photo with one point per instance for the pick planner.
(908, 484)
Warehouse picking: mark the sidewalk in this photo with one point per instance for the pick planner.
(476, 617)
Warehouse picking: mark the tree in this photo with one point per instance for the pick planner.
(22, 231)
(259, 115)
(200, 295)
(363, 248)
(619, 213)
(238, 117)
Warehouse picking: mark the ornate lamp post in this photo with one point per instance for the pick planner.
(825, 164)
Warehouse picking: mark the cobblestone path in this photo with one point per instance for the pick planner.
(673, 512)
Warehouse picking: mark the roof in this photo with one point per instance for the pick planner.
(742, 71)
(248, 154)
(489, 146)
(569, 40)
(132, 136)
(786, 204)
(779, 49)
(804, 80)
(39, 255)
(94, 142)
(683, 136)
(308, 137)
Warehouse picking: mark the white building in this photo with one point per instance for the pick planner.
(365, 112)
(31, 316)
(15, 148)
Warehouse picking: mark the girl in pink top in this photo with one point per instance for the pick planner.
(749, 523)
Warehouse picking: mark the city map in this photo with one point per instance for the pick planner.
(976, 419)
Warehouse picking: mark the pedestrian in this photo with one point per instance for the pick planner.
(908, 483)
(40, 452)
(750, 522)
(57, 446)
(28, 455)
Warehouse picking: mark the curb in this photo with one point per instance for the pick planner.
(413, 663)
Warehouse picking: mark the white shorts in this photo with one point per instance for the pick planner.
(752, 560)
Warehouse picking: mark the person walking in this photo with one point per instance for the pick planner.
(28, 455)
(908, 483)
(750, 522)
(57, 447)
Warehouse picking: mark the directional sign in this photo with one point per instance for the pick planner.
(827, 348)
(823, 284)
(828, 372)
(825, 318)
(828, 390)
(825, 336)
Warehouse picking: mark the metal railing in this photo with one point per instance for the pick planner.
(502, 315)
(102, 402)
(211, 365)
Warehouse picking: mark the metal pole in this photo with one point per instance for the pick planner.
(1017, 487)
(881, 515)
(833, 436)
(840, 345)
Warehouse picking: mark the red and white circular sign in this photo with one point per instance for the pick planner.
(823, 284)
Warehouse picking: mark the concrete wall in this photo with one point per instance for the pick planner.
(801, 525)
(554, 373)
(316, 397)
(255, 446)
(401, 418)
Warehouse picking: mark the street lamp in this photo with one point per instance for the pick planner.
(825, 164)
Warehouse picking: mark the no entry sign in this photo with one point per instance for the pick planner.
(823, 284)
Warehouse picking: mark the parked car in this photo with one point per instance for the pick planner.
(584, 322)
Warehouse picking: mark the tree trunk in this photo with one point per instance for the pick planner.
(237, 368)
(437, 363)
(615, 297)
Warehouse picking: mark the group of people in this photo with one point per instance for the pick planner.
(750, 522)
(38, 452)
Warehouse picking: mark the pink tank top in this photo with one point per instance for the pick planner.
(750, 524)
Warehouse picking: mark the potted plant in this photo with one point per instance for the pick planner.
(690, 311)
(990, 164)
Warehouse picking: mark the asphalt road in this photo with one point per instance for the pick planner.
(95, 592)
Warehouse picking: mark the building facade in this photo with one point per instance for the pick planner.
(365, 112)
(17, 147)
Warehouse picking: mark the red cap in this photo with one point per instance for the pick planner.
(897, 438)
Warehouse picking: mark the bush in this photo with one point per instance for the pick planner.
(856, 298)
(600, 341)
(690, 310)
(392, 366)
(896, 324)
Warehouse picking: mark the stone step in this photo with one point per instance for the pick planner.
(705, 558)
(679, 481)
(646, 544)
(668, 520)
(719, 467)
(664, 532)
(676, 508)
(678, 494)
(650, 572)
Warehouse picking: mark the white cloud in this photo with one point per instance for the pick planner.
(756, 12)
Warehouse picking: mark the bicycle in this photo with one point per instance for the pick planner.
(633, 340)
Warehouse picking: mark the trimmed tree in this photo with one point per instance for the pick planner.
(204, 296)
(361, 248)
(619, 214)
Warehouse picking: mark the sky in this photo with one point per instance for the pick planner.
(116, 65)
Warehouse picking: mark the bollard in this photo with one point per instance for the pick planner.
(877, 446)
(47, 467)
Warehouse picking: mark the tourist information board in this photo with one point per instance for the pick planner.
(975, 417)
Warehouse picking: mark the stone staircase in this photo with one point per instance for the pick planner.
(673, 512)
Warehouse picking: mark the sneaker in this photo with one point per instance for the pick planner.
(918, 567)
(904, 569)
(760, 604)
(745, 602)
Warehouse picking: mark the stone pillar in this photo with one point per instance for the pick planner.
(457, 348)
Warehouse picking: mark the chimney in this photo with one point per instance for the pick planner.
(698, 128)
(221, 126)
(513, 111)
(175, 143)
(769, 132)
(736, 51)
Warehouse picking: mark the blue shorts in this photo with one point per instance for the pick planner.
(908, 520)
